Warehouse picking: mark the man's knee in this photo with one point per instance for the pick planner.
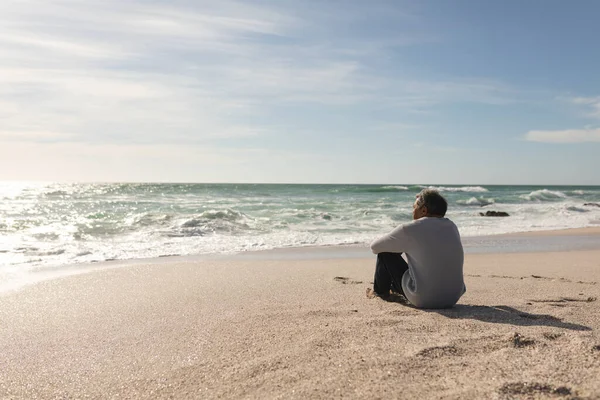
(389, 255)
(390, 258)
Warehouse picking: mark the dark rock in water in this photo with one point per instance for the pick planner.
(592, 204)
(494, 214)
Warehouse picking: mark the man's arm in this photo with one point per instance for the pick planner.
(394, 242)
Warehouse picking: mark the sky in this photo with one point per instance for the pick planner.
(288, 91)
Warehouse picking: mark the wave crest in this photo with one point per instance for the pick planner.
(470, 189)
(395, 187)
(213, 221)
(474, 201)
(544, 195)
(382, 189)
(150, 219)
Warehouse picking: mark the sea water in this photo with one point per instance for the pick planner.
(53, 225)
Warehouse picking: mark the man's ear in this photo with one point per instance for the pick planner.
(425, 211)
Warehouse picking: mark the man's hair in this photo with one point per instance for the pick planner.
(433, 200)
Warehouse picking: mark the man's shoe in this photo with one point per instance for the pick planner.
(371, 294)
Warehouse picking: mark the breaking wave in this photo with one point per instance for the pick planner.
(474, 201)
(469, 189)
(383, 189)
(214, 215)
(544, 195)
(401, 188)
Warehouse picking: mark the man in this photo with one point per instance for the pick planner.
(433, 277)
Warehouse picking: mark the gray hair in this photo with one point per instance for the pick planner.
(434, 201)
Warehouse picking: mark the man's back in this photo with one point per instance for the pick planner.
(435, 259)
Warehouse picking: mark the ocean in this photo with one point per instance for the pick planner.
(52, 225)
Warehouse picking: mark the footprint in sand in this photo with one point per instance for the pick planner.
(520, 341)
(344, 280)
(552, 335)
(520, 389)
(532, 276)
(566, 300)
(382, 323)
(439, 351)
(563, 301)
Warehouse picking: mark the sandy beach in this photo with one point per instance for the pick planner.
(279, 327)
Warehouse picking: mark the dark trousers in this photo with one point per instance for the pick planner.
(389, 270)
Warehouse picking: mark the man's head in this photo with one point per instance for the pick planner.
(429, 203)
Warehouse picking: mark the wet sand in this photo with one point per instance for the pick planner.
(303, 328)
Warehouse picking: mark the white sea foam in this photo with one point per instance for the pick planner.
(530, 216)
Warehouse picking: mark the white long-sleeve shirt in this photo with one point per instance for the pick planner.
(435, 260)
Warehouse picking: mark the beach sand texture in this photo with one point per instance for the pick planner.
(526, 328)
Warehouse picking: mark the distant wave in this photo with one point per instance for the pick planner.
(395, 187)
(471, 189)
(544, 195)
(382, 189)
(474, 201)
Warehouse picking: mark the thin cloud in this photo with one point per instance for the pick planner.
(564, 136)
(592, 105)
(34, 136)
(70, 46)
(178, 72)
(394, 127)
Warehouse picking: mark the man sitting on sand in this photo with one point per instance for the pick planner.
(433, 276)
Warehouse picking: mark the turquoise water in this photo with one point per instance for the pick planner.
(43, 226)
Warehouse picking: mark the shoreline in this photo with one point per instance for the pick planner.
(589, 230)
(521, 242)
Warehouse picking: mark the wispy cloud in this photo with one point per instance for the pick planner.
(564, 136)
(592, 105)
(193, 72)
(35, 136)
(134, 70)
(394, 127)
